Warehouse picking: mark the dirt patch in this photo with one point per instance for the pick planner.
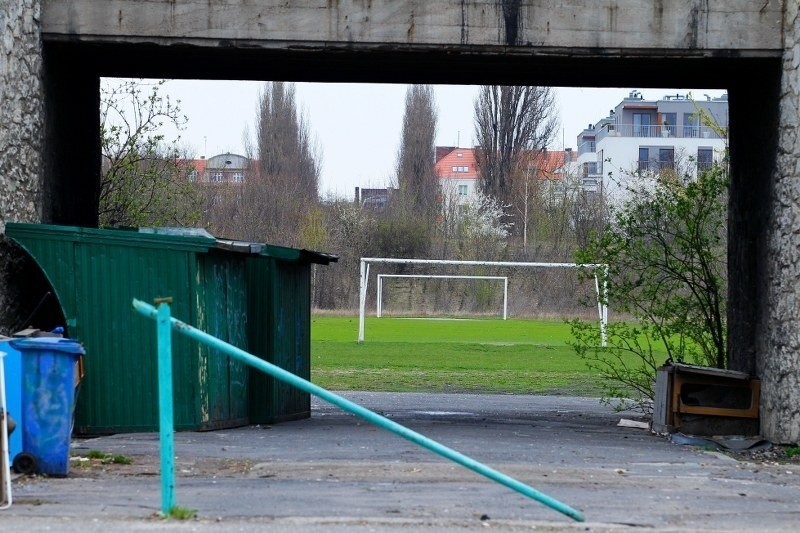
(82, 466)
(97, 464)
(775, 455)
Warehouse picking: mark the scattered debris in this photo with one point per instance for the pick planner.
(734, 443)
(627, 423)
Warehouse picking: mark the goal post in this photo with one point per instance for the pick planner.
(380, 277)
(601, 287)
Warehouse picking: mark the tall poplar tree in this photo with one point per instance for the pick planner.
(416, 158)
(510, 122)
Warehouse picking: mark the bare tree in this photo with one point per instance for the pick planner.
(145, 178)
(277, 201)
(416, 174)
(285, 149)
(281, 190)
(510, 120)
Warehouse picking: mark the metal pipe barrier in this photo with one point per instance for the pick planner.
(162, 316)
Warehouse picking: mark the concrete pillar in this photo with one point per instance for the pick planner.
(21, 117)
(71, 164)
(753, 114)
(779, 338)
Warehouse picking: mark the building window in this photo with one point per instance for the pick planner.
(691, 125)
(641, 125)
(462, 190)
(600, 162)
(459, 154)
(217, 177)
(193, 175)
(668, 124)
(644, 159)
(237, 177)
(666, 158)
(705, 159)
(589, 169)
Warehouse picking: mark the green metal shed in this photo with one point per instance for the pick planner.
(224, 287)
(280, 291)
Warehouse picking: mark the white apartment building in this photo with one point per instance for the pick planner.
(644, 136)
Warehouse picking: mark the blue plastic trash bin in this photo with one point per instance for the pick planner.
(48, 400)
(13, 375)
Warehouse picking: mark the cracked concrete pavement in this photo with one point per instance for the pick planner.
(335, 472)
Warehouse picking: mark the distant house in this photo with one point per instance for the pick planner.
(457, 172)
(374, 199)
(459, 177)
(224, 168)
(549, 165)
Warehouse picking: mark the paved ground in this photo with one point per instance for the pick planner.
(334, 472)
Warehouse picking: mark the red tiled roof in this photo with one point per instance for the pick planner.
(199, 165)
(442, 151)
(547, 163)
(457, 158)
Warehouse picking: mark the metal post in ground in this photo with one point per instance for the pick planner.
(166, 424)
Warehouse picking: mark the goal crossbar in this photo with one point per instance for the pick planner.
(600, 287)
(379, 290)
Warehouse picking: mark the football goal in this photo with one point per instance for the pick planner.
(381, 277)
(599, 285)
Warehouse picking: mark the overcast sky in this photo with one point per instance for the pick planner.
(358, 126)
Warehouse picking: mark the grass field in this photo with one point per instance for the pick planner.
(408, 355)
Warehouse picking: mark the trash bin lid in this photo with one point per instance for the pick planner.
(57, 344)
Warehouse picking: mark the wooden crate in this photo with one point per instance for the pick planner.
(683, 390)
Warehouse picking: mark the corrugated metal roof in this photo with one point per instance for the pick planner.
(193, 239)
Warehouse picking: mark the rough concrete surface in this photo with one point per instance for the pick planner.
(334, 472)
(779, 349)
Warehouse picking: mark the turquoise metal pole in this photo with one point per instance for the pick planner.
(374, 418)
(166, 425)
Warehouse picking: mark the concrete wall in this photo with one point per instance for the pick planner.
(665, 26)
(20, 132)
(779, 344)
(21, 110)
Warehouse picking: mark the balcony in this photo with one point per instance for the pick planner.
(652, 165)
(586, 147)
(658, 131)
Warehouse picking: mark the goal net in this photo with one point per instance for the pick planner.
(436, 288)
(407, 295)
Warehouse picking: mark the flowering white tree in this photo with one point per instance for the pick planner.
(481, 226)
(482, 216)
